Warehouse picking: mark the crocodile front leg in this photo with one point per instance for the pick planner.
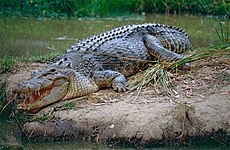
(108, 78)
(156, 49)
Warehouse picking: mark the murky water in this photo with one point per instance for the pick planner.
(27, 36)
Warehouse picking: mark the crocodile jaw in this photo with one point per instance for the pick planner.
(52, 85)
(34, 100)
(45, 87)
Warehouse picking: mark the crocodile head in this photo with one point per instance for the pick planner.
(50, 85)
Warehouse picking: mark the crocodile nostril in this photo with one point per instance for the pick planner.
(53, 70)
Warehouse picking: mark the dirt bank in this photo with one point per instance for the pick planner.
(201, 110)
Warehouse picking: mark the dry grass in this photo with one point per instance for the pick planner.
(159, 73)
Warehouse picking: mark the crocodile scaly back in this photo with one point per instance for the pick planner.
(171, 37)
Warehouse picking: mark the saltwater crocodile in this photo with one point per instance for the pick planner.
(99, 61)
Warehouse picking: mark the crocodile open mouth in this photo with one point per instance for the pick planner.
(31, 97)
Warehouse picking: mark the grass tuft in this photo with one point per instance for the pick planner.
(158, 75)
(223, 34)
(6, 63)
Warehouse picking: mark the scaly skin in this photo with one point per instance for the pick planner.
(101, 61)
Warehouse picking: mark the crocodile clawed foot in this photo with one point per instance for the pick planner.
(120, 88)
(173, 57)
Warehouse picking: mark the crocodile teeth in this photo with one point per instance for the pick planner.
(39, 94)
(35, 93)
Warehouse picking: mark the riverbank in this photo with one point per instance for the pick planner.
(197, 114)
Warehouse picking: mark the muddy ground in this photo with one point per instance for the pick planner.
(199, 113)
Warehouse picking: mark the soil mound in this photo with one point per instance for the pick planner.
(200, 110)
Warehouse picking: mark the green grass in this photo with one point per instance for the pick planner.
(223, 34)
(105, 8)
(68, 106)
(42, 117)
(7, 62)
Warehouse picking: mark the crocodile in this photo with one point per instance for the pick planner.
(101, 61)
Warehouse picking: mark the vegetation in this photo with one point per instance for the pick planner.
(223, 35)
(7, 62)
(104, 8)
(68, 106)
(157, 74)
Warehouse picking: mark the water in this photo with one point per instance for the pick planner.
(27, 36)
(89, 146)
